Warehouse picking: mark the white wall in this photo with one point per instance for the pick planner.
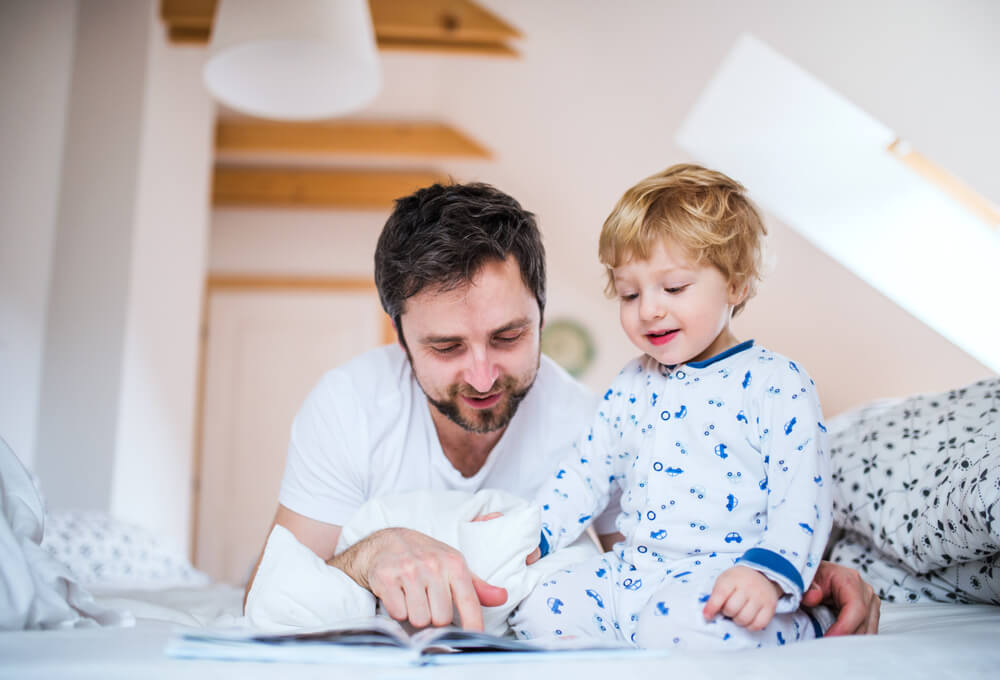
(152, 470)
(594, 103)
(117, 211)
(591, 107)
(90, 264)
(36, 48)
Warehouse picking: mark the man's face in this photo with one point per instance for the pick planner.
(475, 349)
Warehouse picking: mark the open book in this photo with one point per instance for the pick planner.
(379, 640)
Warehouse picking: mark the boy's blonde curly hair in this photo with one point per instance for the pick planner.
(703, 211)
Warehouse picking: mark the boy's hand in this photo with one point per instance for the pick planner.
(744, 595)
(532, 557)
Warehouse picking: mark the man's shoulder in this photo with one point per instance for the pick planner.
(379, 373)
(556, 388)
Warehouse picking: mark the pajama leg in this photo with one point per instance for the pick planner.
(573, 602)
(673, 617)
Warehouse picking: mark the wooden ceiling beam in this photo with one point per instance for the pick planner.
(345, 137)
(313, 188)
(441, 25)
(944, 180)
(447, 47)
(445, 26)
(188, 21)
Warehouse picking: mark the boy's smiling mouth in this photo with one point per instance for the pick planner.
(662, 337)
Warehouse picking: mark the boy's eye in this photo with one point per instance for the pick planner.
(675, 289)
(628, 296)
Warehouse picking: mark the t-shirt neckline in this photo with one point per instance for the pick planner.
(456, 480)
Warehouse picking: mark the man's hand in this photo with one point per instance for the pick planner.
(842, 588)
(419, 578)
(744, 595)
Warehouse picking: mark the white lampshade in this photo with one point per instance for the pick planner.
(294, 60)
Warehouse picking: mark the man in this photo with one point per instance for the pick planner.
(465, 401)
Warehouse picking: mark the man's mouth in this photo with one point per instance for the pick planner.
(488, 401)
(662, 337)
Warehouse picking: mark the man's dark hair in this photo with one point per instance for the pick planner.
(442, 235)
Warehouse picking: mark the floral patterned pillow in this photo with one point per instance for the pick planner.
(102, 551)
(972, 582)
(917, 484)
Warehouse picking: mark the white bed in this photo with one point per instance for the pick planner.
(917, 493)
(924, 640)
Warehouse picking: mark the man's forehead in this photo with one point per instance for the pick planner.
(468, 313)
(439, 336)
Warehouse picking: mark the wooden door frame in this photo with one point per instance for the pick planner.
(245, 283)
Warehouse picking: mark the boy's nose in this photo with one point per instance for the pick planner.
(650, 308)
(482, 373)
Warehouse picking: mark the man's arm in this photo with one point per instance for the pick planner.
(417, 577)
(319, 537)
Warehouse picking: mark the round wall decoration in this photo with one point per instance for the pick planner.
(569, 344)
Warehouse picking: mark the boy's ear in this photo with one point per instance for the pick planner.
(738, 293)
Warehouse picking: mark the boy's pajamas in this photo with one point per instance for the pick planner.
(720, 462)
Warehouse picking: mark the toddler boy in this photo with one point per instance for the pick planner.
(716, 445)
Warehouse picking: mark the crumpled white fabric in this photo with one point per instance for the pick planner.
(36, 590)
(294, 588)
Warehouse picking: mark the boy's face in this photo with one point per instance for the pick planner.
(674, 309)
(475, 349)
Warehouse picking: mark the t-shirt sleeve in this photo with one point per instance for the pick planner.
(325, 472)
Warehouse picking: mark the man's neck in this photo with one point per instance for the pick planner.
(467, 451)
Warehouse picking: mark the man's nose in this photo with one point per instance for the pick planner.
(482, 372)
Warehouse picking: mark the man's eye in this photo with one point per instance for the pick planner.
(507, 339)
(445, 349)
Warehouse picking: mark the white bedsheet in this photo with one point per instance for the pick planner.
(36, 590)
(917, 641)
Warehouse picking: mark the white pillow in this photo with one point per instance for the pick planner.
(104, 552)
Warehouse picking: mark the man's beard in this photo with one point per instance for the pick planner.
(488, 420)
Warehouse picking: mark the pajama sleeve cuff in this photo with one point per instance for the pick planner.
(543, 544)
(775, 567)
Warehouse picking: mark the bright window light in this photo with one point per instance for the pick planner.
(825, 168)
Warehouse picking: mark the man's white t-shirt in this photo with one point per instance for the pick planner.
(365, 431)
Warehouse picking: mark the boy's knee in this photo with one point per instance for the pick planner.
(669, 621)
(537, 615)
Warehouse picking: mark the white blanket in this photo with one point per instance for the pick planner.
(294, 588)
(37, 591)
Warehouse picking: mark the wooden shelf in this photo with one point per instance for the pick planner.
(312, 188)
(345, 137)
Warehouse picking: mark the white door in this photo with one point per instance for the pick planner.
(264, 352)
